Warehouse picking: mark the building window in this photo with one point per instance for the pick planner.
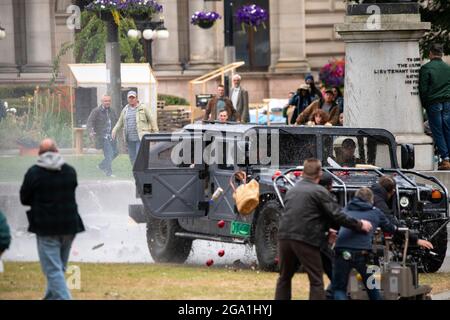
(252, 47)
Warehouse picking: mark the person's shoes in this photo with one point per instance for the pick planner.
(445, 165)
(100, 167)
(109, 174)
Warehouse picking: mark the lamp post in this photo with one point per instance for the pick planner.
(149, 31)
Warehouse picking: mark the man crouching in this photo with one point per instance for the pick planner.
(353, 249)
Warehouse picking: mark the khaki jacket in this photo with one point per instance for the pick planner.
(145, 123)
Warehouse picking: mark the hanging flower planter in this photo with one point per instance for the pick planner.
(333, 73)
(115, 9)
(205, 20)
(251, 16)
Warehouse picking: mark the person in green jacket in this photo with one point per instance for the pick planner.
(137, 121)
(434, 90)
(5, 235)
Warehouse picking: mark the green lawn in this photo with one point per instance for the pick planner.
(13, 168)
(24, 280)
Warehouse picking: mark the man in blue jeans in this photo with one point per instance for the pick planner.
(434, 89)
(49, 189)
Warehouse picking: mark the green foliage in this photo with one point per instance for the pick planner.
(438, 13)
(42, 119)
(90, 41)
(173, 100)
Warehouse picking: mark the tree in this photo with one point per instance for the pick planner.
(90, 41)
(438, 13)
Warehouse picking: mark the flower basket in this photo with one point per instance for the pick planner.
(333, 73)
(115, 9)
(205, 20)
(251, 16)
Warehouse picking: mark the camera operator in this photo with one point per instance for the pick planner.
(384, 199)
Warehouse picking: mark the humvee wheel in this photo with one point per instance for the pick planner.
(266, 235)
(431, 263)
(163, 244)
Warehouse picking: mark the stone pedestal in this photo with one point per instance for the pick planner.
(382, 73)
(7, 50)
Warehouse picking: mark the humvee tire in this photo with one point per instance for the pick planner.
(266, 235)
(431, 263)
(163, 244)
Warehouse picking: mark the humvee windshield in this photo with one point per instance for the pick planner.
(354, 151)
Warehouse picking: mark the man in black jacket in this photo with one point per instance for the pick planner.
(308, 215)
(383, 196)
(99, 125)
(49, 189)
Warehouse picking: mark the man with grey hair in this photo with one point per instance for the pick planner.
(239, 98)
(353, 249)
(434, 89)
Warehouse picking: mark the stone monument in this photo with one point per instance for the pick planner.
(382, 72)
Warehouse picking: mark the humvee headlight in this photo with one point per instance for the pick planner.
(404, 202)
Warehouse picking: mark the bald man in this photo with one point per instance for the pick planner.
(49, 189)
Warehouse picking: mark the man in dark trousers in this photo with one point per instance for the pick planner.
(434, 89)
(99, 125)
(383, 196)
(49, 189)
(309, 213)
(218, 103)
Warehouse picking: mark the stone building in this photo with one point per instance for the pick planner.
(299, 38)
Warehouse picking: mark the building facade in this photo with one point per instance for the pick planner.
(299, 38)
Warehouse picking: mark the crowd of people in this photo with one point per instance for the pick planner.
(316, 233)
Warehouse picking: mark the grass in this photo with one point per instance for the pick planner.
(13, 168)
(165, 282)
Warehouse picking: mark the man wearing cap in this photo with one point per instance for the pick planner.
(434, 89)
(300, 100)
(137, 121)
(327, 104)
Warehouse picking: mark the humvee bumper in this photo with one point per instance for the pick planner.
(137, 213)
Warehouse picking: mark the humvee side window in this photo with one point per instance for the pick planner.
(351, 151)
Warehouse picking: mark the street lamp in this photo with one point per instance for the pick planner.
(2, 33)
(149, 31)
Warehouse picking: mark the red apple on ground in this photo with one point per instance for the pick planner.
(209, 262)
(221, 224)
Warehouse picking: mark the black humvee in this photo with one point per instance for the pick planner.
(177, 173)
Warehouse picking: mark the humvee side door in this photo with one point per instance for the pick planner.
(170, 189)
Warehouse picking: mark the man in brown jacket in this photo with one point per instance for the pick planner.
(218, 103)
(327, 104)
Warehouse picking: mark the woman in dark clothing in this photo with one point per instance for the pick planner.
(314, 91)
(301, 100)
(338, 98)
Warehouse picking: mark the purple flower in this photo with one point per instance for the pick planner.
(128, 6)
(333, 73)
(251, 15)
(204, 17)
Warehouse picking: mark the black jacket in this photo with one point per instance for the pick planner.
(381, 201)
(309, 213)
(51, 196)
(97, 123)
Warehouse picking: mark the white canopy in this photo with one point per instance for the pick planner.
(139, 75)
